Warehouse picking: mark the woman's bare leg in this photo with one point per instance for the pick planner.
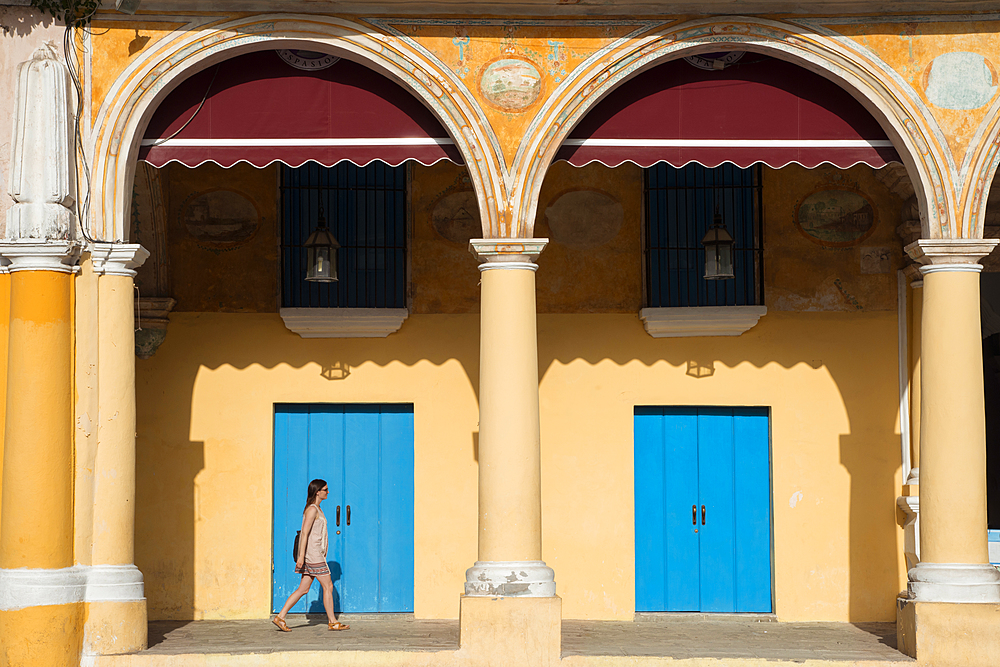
(327, 583)
(298, 593)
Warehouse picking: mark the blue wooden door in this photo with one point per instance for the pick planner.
(365, 454)
(702, 509)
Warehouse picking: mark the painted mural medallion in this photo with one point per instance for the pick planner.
(220, 218)
(307, 60)
(456, 217)
(584, 219)
(960, 81)
(715, 61)
(511, 84)
(836, 217)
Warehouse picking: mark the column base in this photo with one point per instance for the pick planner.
(117, 627)
(510, 578)
(942, 633)
(954, 582)
(502, 632)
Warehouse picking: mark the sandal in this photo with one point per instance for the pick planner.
(280, 622)
(338, 626)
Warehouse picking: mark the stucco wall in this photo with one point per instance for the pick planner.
(205, 405)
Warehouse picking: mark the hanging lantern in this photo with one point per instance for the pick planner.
(321, 254)
(718, 251)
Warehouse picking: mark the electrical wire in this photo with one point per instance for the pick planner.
(69, 52)
(200, 105)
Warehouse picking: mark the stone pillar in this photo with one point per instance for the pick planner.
(41, 590)
(116, 606)
(510, 505)
(510, 607)
(954, 564)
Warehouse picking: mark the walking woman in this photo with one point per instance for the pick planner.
(310, 561)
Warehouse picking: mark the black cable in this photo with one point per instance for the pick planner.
(69, 52)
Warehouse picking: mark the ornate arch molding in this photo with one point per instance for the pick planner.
(888, 98)
(980, 169)
(136, 93)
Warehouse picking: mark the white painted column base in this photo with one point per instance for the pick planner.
(954, 582)
(25, 587)
(510, 578)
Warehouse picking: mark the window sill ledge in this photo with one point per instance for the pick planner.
(344, 322)
(700, 320)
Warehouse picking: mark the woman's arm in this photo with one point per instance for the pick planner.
(308, 518)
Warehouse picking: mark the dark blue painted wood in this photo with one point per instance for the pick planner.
(719, 458)
(365, 454)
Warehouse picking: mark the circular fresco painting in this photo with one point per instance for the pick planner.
(511, 83)
(836, 217)
(222, 218)
(456, 217)
(584, 218)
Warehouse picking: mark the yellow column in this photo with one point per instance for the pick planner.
(954, 565)
(116, 606)
(510, 614)
(510, 524)
(4, 336)
(41, 609)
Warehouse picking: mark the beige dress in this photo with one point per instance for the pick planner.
(316, 545)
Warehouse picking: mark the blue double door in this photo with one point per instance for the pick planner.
(702, 509)
(365, 454)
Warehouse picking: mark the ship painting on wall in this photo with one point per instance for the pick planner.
(836, 217)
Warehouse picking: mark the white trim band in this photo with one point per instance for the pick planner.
(317, 142)
(954, 582)
(489, 266)
(518, 578)
(729, 143)
(942, 268)
(25, 587)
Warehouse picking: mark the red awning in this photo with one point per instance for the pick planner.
(261, 109)
(757, 109)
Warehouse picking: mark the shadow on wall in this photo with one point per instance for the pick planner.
(169, 462)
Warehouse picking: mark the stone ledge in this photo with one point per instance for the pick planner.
(700, 320)
(344, 322)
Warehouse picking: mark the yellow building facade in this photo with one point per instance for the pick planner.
(138, 489)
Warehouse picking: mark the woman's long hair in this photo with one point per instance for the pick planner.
(315, 487)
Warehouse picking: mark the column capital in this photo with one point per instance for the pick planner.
(61, 256)
(518, 253)
(950, 251)
(117, 259)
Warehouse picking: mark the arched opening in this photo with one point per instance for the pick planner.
(790, 162)
(239, 164)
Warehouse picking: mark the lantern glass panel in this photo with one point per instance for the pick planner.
(322, 264)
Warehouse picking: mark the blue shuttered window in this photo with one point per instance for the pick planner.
(365, 208)
(680, 206)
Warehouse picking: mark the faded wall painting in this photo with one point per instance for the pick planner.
(836, 217)
(830, 241)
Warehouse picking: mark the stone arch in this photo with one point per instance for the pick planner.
(135, 95)
(887, 97)
(980, 169)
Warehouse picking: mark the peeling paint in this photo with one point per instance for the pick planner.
(794, 500)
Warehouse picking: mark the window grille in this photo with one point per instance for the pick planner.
(365, 208)
(680, 206)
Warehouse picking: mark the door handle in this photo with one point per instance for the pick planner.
(694, 515)
(348, 515)
(338, 515)
(703, 515)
